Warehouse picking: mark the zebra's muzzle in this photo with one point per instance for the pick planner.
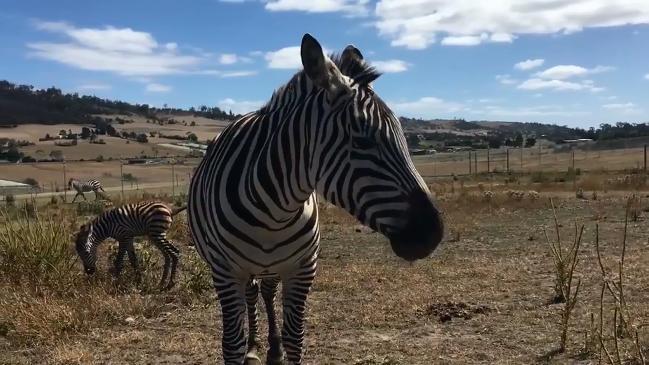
(423, 231)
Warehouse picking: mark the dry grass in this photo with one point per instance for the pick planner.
(481, 298)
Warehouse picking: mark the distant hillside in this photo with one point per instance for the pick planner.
(22, 104)
(461, 132)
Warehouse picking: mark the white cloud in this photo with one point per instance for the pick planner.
(118, 50)
(350, 7)
(157, 88)
(239, 106)
(286, 58)
(474, 40)
(624, 108)
(529, 64)
(415, 24)
(427, 107)
(502, 37)
(91, 87)
(391, 66)
(646, 77)
(559, 85)
(465, 40)
(506, 79)
(233, 1)
(618, 106)
(226, 74)
(228, 59)
(229, 74)
(562, 72)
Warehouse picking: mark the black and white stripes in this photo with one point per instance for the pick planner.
(123, 224)
(252, 206)
(84, 187)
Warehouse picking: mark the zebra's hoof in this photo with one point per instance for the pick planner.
(252, 359)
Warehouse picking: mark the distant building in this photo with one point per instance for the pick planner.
(8, 187)
(577, 141)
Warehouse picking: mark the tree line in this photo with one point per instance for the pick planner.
(21, 104)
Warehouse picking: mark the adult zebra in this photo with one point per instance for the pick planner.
(252, 205)
(85, 186)
(124, 223)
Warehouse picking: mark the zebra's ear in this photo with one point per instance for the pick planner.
(351, 53)
(314, 62)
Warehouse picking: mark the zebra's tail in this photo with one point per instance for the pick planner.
(177, 210)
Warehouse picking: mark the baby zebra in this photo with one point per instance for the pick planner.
(151, 219)
(83, 187)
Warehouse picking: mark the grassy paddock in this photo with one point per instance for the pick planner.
(486, 296)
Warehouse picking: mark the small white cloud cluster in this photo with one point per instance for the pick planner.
(558, 78)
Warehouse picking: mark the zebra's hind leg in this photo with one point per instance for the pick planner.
(295, 289)
(275, 354)
(232, 297)
(170, 254)
(173, 253)
(252, 295)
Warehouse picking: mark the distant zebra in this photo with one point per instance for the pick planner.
(252, 206)
(124, 223)
(84, 187)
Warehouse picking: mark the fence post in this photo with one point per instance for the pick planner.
(470, 162)
(573, 159)
(508, 160)
(488, 159)
(65, 184)
(645, 159)
(522, 150)
(173, 173)
(475, 162)
(121, 176)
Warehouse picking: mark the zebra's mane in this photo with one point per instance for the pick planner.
(361, 72)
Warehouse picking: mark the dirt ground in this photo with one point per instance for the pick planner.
(483, 298)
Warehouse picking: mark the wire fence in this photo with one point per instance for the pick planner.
(528, 160)
(173, 175)
(119, 177)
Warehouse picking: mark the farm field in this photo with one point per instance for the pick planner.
(600, 163)
(486, 296)
(50, 175)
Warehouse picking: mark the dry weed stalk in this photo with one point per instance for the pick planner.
(565, 264)
(622, 322)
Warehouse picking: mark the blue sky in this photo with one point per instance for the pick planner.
(574, 62)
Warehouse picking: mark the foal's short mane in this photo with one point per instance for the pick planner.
(361, 72)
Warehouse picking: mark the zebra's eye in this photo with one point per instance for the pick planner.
(363, 143)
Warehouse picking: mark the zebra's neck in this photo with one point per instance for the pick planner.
(286, 168)
(100, 231)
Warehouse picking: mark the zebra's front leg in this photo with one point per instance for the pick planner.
(295, 289)
(119, 259)
(252, 295)
(132, 258)
(274, 355)
(76, 196)
(232, 298)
